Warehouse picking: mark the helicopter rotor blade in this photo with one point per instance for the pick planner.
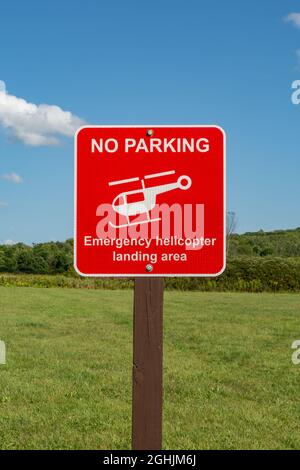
(157, 175)
(146, 177)
(129, 180)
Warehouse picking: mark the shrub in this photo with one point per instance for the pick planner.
(244, 274)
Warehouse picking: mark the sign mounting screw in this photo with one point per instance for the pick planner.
(149, 132)
(149, 268)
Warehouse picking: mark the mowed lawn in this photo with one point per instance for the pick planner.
(229, 380)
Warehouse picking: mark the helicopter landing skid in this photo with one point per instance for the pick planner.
(131, 224)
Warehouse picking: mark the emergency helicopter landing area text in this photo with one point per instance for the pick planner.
(146, 196)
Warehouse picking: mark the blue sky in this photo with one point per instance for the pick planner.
(167, 62)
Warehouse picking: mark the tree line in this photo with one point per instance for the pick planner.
(57, 257)
(279, 243)
(42, 258)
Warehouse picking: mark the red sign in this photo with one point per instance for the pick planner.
(150, 201)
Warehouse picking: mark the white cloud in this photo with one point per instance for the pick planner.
(12, 177)
(293, 18)
(9, 242)
(3, 204)
(33, 124)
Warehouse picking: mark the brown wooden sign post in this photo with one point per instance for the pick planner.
(147, 364)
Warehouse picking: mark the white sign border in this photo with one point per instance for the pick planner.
(148, 126)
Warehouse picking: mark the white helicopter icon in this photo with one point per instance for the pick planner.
(146, 197)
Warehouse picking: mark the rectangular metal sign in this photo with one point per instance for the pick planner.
(150, 201)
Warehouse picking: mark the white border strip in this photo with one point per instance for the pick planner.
(147, 126)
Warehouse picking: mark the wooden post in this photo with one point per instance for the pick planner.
(147, 364)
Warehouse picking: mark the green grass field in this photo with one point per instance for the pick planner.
(229, 380)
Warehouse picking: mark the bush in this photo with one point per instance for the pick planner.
(242, 275)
